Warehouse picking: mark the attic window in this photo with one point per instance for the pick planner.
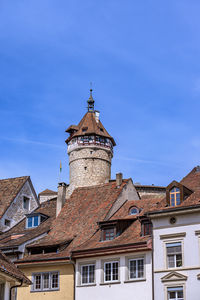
(175, 198)
(26, 202)
(84, 129)
(146, 228)
(133, 210)
(108, 234)
(7, 222)
(101, 129)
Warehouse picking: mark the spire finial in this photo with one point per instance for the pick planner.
(90, 100)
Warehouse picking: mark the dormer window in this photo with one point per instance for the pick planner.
(146, 228)
(26, 203)
(175, 196)
(33, 221)
(133, 210)
(108, 234)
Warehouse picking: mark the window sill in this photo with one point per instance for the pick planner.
(135, 280)
(111, 282)
(44, 291)
(86, 285)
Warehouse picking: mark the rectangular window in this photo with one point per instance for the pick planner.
(136, 268)
(33, 221)
(174, 255)
(45, 281)
(111, 271)
(26, 203)
(175, 293)
(108, 234)
(87, 274)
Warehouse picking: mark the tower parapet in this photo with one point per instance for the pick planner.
(90, 150)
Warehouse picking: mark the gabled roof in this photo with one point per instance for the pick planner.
(8, 240)
(47, 192)
(9, 188)
(7, 267)
(192, 179)
(90, 126)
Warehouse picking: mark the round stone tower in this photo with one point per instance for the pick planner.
(90, 150)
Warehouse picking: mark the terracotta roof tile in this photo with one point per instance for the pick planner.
(7, 267)
(92, 127)
(9, 188)
(47, 192)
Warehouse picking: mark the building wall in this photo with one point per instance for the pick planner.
(185, 225)
(89, 166)
(138, 289)
(15, 213)
(66, 290)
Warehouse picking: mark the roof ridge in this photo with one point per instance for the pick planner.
(26, 176)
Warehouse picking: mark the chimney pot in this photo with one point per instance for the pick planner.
(119, 177)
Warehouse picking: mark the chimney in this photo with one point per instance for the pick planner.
(119, 177)
(61, 197)
(97, 113)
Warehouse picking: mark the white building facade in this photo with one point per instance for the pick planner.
(115, 277)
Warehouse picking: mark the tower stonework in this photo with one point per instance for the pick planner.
(90, 150)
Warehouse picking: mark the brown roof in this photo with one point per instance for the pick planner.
(80, 214)
(47, 192)
(7, 267)
(18, 234)
(192, 179)
(91, 126)
(9, 188)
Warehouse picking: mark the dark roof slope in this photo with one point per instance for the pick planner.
(9, 188)
(7, 267)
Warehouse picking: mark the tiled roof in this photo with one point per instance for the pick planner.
(22, 234)
(9, 188)
(47, 192)
(91, 126)
(80, 214)
(192, 179)
(7, 267)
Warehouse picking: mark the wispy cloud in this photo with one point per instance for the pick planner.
(25, 141)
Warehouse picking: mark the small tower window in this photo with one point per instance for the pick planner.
(133, 210)
(175, 196)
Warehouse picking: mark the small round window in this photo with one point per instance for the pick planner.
(133, 211)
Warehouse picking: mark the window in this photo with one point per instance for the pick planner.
(175, 293)
(111, 271)
(26, 203)
(108, 234)
(133, 211)
(87, 274)
(174, 255)
(45, 281)
(33, 221)
(175, 196)
(7, 222)
(146, 229)
(136, 268)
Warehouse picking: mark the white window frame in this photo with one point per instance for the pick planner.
(33, 289)
(175, 287)
(166, 255)
(111, 262)
(87, 265)
(129, 269)
(32, 221)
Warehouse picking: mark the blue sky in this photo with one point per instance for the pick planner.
(143, 58)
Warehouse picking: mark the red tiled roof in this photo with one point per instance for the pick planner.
(7, 267)
(92, 127)
(9, 188)
(192, 179)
